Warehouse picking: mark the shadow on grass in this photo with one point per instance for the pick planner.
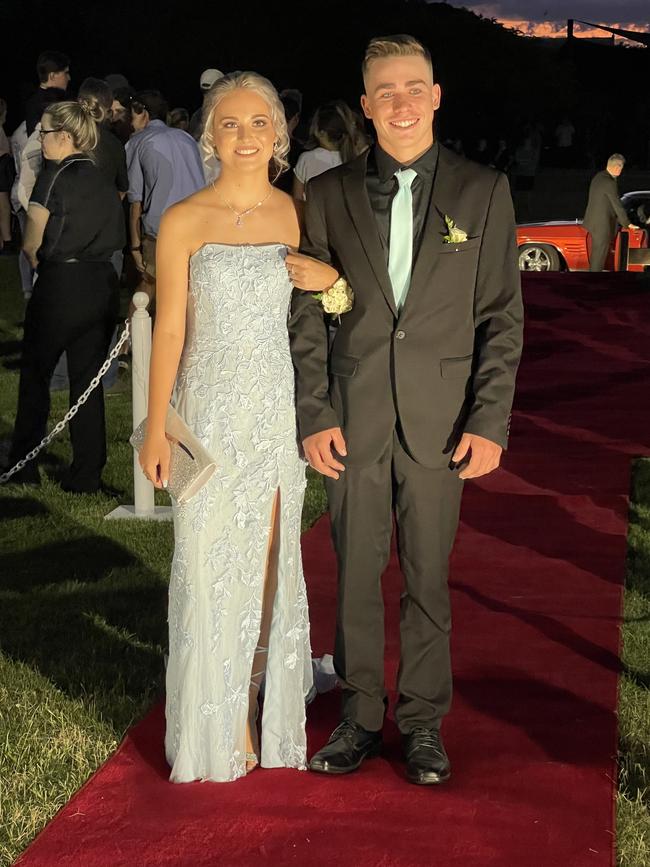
(92, 643)
(104, 645)
(12, 508)
(87, 558)
(10, 347)
(82, 607)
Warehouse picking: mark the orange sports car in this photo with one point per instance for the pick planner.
(562, 245)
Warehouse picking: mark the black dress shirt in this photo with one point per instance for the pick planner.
(382, 186)
(86, 221)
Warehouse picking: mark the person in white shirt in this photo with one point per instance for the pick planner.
(6, 179)
(18, 142)
(564, 135)
(208, 78)
(336, 136)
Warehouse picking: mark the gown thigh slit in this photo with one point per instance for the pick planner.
(235, 390)
(261, 651)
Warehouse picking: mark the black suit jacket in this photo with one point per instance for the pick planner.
(604, 208)
(446, 363)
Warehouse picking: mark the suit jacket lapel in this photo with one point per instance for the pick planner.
(356, 196)
(444, 200)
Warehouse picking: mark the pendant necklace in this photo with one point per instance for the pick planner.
(240, 214)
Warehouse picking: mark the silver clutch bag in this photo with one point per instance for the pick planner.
(190, 464)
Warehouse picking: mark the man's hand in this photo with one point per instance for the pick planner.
(319, 451)
(308, 274)
(138, 261)
(485, 456)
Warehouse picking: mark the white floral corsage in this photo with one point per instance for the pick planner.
(454, 234)
(338, 299)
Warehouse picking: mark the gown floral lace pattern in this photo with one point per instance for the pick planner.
(235, 389)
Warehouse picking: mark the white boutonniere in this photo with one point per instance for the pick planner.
(338, 299)
(454, 235)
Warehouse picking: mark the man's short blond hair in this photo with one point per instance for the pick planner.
(400, 45)
(616, 160)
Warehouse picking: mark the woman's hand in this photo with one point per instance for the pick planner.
(154, 459)
(310, 275)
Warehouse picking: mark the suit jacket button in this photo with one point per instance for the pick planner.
(399, 335)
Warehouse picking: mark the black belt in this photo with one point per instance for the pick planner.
(78, 261)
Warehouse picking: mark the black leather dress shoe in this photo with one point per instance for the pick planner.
(348, 746)
(426, 760)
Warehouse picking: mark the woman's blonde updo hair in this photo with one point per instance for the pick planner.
(262, 86)
(79, 119)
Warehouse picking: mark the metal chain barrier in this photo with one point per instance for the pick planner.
(56, 430)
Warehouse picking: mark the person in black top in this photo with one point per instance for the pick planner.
(74, 224)
(53, 70)
(109, 155)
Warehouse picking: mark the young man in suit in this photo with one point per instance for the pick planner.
(604, 211)
(415, 395)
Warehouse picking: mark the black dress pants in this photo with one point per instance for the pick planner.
(426, 504)
(73, 309)
(598, 251)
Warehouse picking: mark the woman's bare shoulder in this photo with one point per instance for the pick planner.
(188, 213)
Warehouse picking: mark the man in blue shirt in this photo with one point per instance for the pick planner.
(164, 166)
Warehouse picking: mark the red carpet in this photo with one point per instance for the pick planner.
(537, 577)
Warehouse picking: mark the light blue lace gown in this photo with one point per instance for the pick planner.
(235, 389)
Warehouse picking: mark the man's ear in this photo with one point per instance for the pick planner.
(365, 106)
(437, 96)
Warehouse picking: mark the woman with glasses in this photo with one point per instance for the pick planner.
(74, 225)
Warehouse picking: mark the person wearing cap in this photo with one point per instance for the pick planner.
(208, 78)
(164, 166)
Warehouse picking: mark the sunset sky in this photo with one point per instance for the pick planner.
(548, 17)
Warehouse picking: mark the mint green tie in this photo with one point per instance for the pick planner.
(400, 247)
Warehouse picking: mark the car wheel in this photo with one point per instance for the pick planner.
(538, 257)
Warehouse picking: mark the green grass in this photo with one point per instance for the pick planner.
(82, 612)
(633, 802)
(83, 625)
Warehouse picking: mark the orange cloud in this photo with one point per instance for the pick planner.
(556, 30)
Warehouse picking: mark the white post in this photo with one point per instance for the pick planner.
(143, 490)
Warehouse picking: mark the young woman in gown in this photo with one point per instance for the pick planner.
(237, 602)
